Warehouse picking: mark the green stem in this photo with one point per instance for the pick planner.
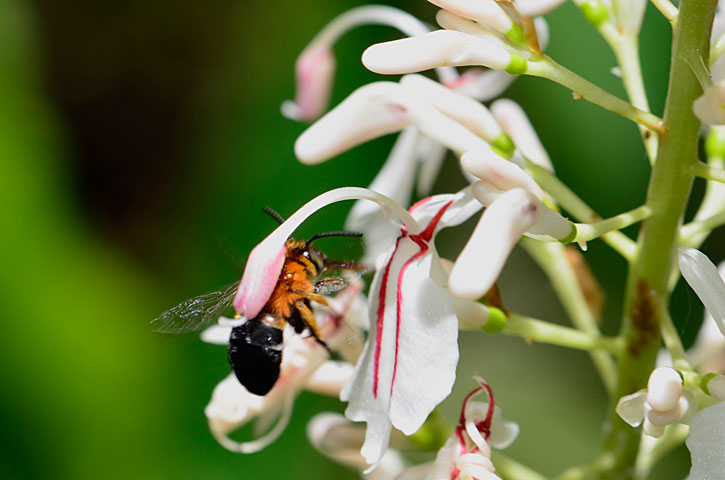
(546, 332)
(626, 49)
(578, 208)
(647, 292)
(709, 172)
(590, 469)
(695, 232)
(590, 231)
(509, 468)
(673, 437)
(667, 9)
(551, 257)
(548, 68)
(672, 340)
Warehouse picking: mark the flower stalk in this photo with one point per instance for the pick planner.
(548, 68)
(647, 291)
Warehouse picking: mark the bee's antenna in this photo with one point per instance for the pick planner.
(334, 234)
(273, 213)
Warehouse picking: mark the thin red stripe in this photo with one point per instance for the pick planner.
(380, 314)
(422, 240)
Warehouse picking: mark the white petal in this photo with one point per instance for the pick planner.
(629, 15)
(705, 442)
(499, 172)
(515, 123)
(664, 388)
(431, 155)
(486, 251)
(445, 461)
(332, 435)
(710, 106)
(461, 206)
(705, 280)
(470, 113)
(537, 7)
(330, 378)
(716, 387)
(375, 110)
(631, 407)
(216, 334)
(485, 12)
(451, 21)
(408, 366)
(315, 71)
(394, 180)
(482, 84)
(434, 49)
(652, 430)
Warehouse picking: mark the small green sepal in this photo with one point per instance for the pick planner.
(517, 65)
(503, 145)
(715, 143)
(516, 34)
(496, 320)
(572, 235)
(705, 380)
(595, 12)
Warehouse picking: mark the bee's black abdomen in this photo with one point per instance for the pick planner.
(255, 354)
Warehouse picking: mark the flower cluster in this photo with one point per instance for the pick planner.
(399, 341)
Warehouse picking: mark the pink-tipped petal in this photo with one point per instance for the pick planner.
(315, 71)
(435, 49)
(260, 276)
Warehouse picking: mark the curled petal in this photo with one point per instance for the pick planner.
(485, 12)
(705, 442)
(216, 335)
(330, 378)
(470, 113)
(487, 165)
(482, 84)
(266, 259)
(515, 123)
(631, 407)
(485, 253)
(232, 406)
(503, 433)
(374, 110)
(703, 277)
(434, 49)
(710, 106)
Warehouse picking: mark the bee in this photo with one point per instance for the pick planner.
(255, 346)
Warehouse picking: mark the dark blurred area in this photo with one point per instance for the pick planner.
(139, 142)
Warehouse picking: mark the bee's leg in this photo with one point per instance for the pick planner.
(309, 318)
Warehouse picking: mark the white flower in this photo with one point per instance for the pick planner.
(304, 365)
(409, 362)
(703, 277)
(663, 403)
(629, 15)
(467, 453)
(316, 64)
(705, 442)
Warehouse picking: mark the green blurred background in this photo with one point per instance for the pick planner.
(139, 142)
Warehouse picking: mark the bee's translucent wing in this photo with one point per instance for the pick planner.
(328, 285)
(196, 313)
